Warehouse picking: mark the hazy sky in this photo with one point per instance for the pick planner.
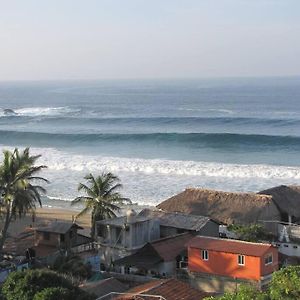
(94, 39)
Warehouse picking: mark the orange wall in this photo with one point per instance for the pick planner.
(225, 264)
(268, 269)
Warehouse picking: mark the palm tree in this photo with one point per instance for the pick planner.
(18, 193)
(102, 197)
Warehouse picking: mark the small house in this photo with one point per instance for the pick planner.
(60, 235)
(231, 261)
(159, 258)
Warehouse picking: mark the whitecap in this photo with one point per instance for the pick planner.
(45, 111)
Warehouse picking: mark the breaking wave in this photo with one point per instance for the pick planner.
(37, 111)
(59, 160)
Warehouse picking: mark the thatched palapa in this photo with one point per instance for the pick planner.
(226, 207)
(287, 200)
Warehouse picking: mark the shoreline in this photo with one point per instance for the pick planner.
(46, 215)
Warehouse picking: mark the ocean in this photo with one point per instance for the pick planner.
(158, 136)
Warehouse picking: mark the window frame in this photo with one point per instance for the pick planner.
(204, 255)
(241, 260)
(267, 259)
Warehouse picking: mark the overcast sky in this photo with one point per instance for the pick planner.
(96, 39)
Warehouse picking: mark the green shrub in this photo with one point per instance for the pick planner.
(285, 284)
(250, 233)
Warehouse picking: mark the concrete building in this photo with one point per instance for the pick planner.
(123, 236)
(221, 264)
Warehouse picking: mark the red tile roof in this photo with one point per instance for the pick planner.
(170, 289)
(229, 246)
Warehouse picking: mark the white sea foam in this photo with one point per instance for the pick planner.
(149, 181)
(59, 160)
(41, 111)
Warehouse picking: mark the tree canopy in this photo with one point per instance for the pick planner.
(40, 285)
(101, 197)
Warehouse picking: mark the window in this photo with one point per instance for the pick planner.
(62, 237)
(269, 259)
(241, 260)
(204, 254)
(46, 236)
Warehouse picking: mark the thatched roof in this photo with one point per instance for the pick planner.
(226, 207)
(286, 198)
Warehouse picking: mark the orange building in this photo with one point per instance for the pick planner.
(232, 258)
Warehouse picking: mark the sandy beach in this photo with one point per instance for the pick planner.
(45, 215)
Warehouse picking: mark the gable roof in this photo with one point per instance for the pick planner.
(286, 198)
(104, 287)
(229, 246)
(176, 219)
(170, 289)
(58, 227)
(226, 207)
(165, 249)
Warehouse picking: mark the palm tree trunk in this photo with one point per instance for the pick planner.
(3, 234)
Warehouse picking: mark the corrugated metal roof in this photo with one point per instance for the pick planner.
(170, 219)
(170, 289)
(175, 219)
(58, 227)
(120, 221)
(229, 246)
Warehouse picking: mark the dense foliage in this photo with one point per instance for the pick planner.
(40, 285)
(101, 197)
(244, 292)
(285, 285)
(250, 233)
(72, 265)
(54, 293)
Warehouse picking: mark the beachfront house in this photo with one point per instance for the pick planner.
(61, 235)
(216, 264)
(123, 236)
(280, 204)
